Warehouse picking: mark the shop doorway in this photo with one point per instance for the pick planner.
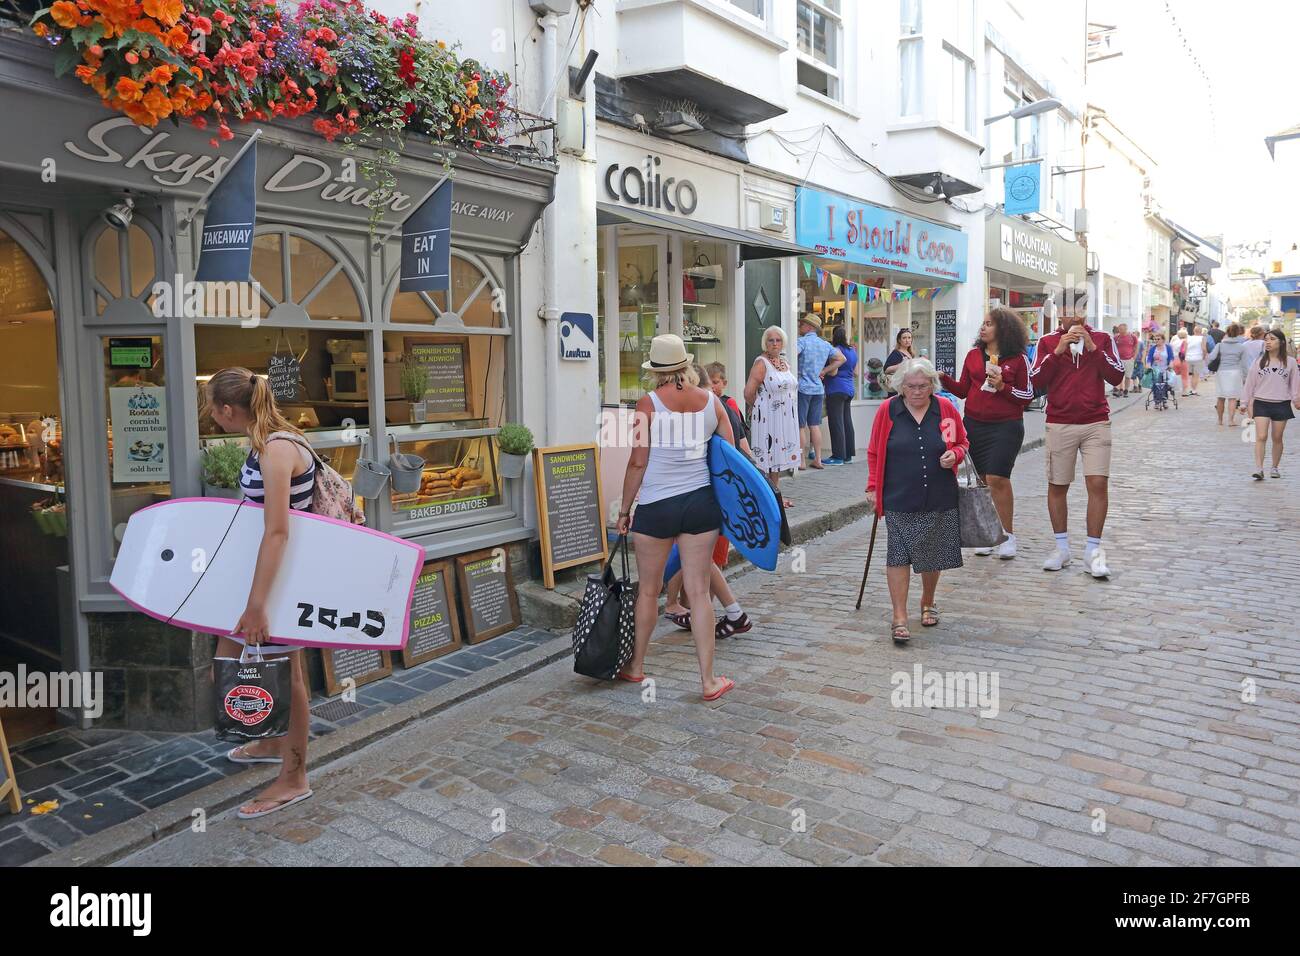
(33, 511)
(642, 307)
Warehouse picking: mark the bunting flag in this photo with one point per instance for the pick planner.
(870, 293)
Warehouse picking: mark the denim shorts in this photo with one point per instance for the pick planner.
(810, 409)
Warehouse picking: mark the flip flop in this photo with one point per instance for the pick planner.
(727, 684)
(622, 675)
(900, 633)
(932, 611)
(230, 755)
(277, 805)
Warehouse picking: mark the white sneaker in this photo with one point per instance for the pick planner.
(984, 552)
(1274, 473)
(1057, 560)
(1007, 549)
(1096, 564)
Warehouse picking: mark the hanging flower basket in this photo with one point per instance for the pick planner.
(368, 79)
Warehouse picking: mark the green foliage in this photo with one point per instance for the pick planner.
(515, 439)
(415, 381)
(221, 463)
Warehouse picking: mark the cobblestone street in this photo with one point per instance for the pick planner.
(1123, 696)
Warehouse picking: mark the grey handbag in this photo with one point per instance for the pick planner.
(980, 525)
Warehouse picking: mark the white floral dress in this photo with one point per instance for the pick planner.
(774, 423)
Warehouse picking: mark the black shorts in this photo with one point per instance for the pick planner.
(694, 512)
(995, 445)
(1277, 411)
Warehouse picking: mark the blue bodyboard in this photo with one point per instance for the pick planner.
(751, 517)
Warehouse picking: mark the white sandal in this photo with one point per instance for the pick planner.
(277, 805)
(230, 755)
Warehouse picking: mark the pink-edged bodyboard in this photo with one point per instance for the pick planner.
(339, 585)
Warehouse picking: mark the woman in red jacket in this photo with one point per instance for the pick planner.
(917, 443)
(995, 383)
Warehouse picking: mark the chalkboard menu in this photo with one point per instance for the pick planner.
(945, 341)
(8, 782)
(446, 360)
(363, 665)
(487, 591)
(284, 373)
(435, 629)
(570, 507)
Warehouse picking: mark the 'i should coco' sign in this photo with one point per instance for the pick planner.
(856, 231)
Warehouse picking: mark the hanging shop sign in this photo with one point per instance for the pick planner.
(854, 231)
(570, 508)
(226, 247)
(1027, 251)
(1021, 189)
(139, 433)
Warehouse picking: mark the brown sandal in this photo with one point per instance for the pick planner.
(929, 615)
(682, 620)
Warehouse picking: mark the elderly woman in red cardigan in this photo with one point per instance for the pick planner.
(917, 443)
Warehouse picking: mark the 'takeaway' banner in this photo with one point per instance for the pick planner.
(226, 254)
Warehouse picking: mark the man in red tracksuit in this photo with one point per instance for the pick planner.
(1075, 364)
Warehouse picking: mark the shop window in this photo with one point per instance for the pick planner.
(819, 30)
(124, 265)
(459, 477)
(641, 298)
(476, 300)
(139, 452)
(300, 278)
(705, 298)
(31, 434)
(875, 343)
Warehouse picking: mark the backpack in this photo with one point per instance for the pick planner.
(331, 495)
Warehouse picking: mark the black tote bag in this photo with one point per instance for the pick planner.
(252, 696)
(605, 635)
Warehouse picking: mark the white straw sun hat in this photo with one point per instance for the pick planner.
(667, 354)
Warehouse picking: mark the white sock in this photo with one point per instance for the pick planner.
(1063, 542)
(1092, 545)
(733, 611)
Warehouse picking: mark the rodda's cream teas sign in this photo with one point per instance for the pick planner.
(139, 433)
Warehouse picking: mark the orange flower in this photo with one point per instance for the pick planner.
(158, 102)
(129, 90)
(162, 75)
(41, 30)
(140, 114)
(84, 73)
(176, 38)
(66, 14)
(145, 25)
(165, 11)
(99, 84)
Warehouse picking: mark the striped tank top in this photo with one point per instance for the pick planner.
(301, 486)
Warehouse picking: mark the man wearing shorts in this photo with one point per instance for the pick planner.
(817, 359)
(1075, 364)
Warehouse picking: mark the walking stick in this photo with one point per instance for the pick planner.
(870, 548)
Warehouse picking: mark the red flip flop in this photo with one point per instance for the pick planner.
(727, 684)
(629, 678)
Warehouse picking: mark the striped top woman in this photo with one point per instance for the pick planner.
(280, 475)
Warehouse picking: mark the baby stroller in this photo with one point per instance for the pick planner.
(1160, 392)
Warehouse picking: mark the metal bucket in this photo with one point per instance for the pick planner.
(370, 477)
(406, 469)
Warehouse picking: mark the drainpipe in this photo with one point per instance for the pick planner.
(549, 312)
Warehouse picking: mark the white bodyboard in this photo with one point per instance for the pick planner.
(190, 561)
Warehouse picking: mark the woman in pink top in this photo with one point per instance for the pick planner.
(1272, 391)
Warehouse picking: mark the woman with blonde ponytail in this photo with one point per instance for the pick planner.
(280, 474)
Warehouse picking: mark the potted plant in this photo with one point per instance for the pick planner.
(514, 442)
(415, 381)
(221, 463)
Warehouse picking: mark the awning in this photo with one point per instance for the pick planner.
(752, 245)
